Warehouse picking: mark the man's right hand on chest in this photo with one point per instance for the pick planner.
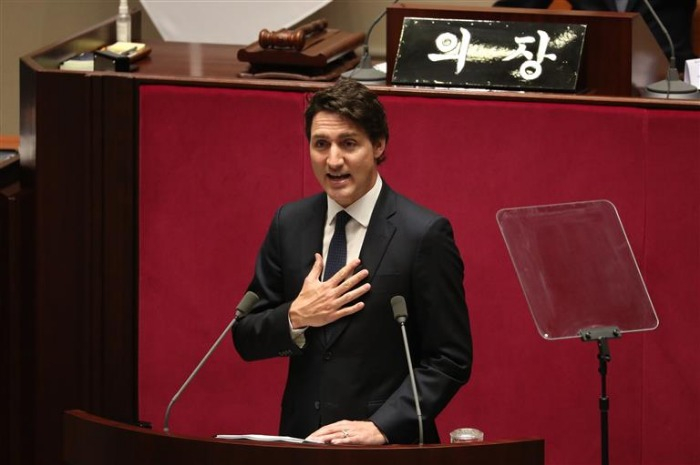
(322, 302)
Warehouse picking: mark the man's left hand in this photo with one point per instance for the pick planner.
(349, 432)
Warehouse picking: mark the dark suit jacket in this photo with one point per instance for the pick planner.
(361, 373)
(676, 15)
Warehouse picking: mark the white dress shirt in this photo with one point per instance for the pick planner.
(360, 213)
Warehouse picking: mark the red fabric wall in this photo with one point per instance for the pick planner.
(215, 164)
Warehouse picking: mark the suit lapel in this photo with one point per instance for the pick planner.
(309, 243)
(312, 238)
(379, 234)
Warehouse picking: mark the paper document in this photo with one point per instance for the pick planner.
(266, 438)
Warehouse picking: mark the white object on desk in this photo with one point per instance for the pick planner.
(692, 72)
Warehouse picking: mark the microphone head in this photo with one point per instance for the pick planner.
(246, 304)
(398, 306)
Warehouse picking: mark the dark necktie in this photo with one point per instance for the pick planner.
(338, 249)
(337, 258)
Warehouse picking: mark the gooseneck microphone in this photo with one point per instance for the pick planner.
(364, 71)
(672, 87)
(244, 307)
(398, 306)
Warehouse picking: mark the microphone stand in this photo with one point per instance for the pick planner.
(419, 414)
(672, 87)
(364, 71)
(243, 308)
(398, 307)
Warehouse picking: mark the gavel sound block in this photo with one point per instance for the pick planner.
(287, 39)
(312, 45)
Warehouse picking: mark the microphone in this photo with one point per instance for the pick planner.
(672, 87)
(398, 306)
(364, 71)
(242, 309)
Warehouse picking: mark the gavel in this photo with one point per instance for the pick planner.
(291, 38)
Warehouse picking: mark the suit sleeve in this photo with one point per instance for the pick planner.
(440, 336)
(264, 333)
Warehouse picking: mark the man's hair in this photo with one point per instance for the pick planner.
(352, 100)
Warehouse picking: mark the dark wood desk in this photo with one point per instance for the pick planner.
(91, 440)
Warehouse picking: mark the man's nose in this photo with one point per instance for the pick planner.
(335, 157)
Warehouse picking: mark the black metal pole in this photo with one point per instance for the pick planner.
(604, 402)
(601, 336)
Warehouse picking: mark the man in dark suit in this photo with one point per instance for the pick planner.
(676, 15)
(348, 380)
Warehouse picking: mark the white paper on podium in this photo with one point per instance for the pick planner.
(266, 438)
(225, 21)
(692, 72)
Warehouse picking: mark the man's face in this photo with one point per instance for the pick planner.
(343, 157)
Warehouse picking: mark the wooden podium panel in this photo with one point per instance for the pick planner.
(15, 336)
(620, 54)
(91, 440)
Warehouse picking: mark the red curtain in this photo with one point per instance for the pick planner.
(215, 163)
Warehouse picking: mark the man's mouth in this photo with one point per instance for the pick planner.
(338, 177)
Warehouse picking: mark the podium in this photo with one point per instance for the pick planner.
(92, 440)
(620, 54)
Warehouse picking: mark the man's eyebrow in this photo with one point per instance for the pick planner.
(342, 135)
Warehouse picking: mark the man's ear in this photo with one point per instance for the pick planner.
(379, 148)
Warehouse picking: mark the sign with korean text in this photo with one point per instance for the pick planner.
(489, 54)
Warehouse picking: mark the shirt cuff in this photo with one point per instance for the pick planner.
(297, 334)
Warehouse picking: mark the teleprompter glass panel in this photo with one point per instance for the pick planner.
(576, 268)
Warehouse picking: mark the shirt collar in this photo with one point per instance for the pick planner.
(361, 210)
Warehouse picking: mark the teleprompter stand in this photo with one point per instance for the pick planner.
(601, 336)
(580, 278)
